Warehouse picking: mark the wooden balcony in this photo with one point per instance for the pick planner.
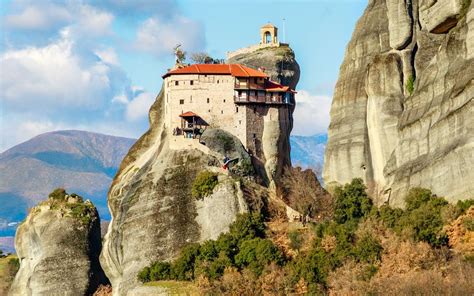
(248, 85)
(259, 99)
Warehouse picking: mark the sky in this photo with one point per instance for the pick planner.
(96, 65)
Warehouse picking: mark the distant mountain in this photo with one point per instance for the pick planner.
(308, 151)
(82, 162)
(85, 163)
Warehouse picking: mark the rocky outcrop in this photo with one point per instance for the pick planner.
(58, 246)
(402, 112)
(280, 64)
(153, 211)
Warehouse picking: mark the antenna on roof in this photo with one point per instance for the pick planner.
(284, 31)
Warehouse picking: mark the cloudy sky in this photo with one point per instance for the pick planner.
(97, 65)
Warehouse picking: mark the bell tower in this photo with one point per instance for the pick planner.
(268, 34)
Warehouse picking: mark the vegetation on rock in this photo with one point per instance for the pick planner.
(204, 184)
(356, 252)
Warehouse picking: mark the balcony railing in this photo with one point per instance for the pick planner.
(247, 85)
(260, 99)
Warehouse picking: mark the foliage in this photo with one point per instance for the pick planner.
(468, 223)
(58, 194)
(351, 202)
(256, 253)
(422, 218)
(410, 84)
(367, 249)
(296, 241)
(243, 246)
(204, 184)
(463, 205)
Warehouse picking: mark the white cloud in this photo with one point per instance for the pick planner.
(108, 55)
(93, 22)
(311, 114)
(158, 37)
(43, 17)
(137, 109)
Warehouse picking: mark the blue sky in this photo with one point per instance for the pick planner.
(97, 65)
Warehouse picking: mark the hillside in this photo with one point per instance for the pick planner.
(83, 162)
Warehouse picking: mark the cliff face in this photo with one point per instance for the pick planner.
(402, 112)
(58, 246)
(153, 211)
(280, 65)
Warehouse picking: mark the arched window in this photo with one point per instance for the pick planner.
(268, 37)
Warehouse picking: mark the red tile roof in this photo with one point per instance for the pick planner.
(189, 114)
(235, 70)
(276, 87)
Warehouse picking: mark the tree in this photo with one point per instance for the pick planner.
(352, 202)
(201, 58)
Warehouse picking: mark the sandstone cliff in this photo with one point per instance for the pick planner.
(58, 246)
(153, 211)
(402, 114)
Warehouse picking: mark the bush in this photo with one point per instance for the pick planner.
(144, 275)
(247, 226)
(183, 267)
(160, 271)
(464, 205)
(257, 253)
(58, 194)
(204, 184)
(295, 240)
(367, 249)
(352, 202)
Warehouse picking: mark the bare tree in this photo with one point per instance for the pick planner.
(201, 58)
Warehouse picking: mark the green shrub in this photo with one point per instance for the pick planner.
(464, 205)
(247, 226)
(296, 240)
(257, 253)
(58, 194)
(367, 249)
(160, 271)
(352, 201)
(468, 223)
(144, 275)
(183, 268)
(390, 216)
(410, 84)
(416, 197)
(204, 184)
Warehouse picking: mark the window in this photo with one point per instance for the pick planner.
(217, 80)
(191, 82)
(176, 82)
(208, 100)
(240, 93)
(181, 102)
(209, 111)
(222, 111)
(240, 121)
(254, 109)
(190, 99)
(254, 136)
(236, 109)
(224, 100)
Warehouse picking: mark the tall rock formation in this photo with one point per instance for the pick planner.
(153, 211)
(58, 246)
(402, 114)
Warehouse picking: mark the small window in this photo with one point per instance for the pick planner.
(240, 93)
(218, 81)
(254, 109)
(209, 111)
(236, 109)
(205, 75)
(190, 99)
(222, 111)
(191, 82)
(224, 100)
(176, 82)
(240, 121)
(181, 102)
(254, 136)
(208, 100)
